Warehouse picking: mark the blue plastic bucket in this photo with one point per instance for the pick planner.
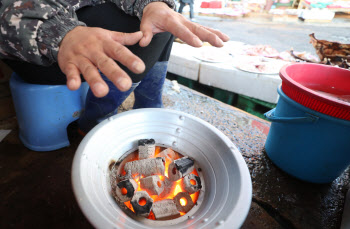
(307, 144)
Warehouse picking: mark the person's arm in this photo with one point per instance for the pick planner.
(46, 31)
(31, 30)
(158, 17)
(85, 50)
(135, 7)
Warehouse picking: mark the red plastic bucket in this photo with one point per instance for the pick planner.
(322, 88)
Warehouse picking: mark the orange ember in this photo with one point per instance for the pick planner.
(128, 204)
(142, 201)
(124, 191)
(183, 201)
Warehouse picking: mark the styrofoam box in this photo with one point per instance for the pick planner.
(225, 76)
(182, 62)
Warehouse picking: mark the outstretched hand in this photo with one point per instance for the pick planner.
(85, 50)
(158, 17)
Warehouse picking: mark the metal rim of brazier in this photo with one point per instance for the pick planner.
(224, 205)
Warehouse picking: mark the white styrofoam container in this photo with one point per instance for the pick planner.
(182, 62)
(225, 76)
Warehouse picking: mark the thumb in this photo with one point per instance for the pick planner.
(127, 38)
(146, 29)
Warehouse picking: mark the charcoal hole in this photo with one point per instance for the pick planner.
(142, 201)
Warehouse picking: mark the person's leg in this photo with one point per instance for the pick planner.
(36, 74)
(149, 92)
(191, 11)
(150, 55)
(98, 109)
(182, 5)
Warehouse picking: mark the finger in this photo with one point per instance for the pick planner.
(113, 72)
(146, 29)
(127, 38)
(73, 76)
(220, 34)
(181, 31)
(122, 54)
(205, 35)
(92, 77)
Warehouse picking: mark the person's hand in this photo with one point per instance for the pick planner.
(84, 50)
(159, 17)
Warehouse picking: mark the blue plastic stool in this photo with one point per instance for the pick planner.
(44, 112)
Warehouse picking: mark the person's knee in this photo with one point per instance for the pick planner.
(108, 16)
(162, 38)
(165, 42)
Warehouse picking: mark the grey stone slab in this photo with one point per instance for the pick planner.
(293, 203)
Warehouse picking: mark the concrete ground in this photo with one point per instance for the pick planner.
(36, 190)
(280, 35)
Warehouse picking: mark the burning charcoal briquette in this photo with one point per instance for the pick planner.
(152, 184)
(169, 187)
(168, 153)
(146, 167)
(165, 209)
(191, 183)
(183, 202)
(125, 190)
(142, 203)
(180, 168)
(147, 148)
(126, 176)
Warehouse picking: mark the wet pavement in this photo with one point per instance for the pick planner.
(290, 203)
(35, 187)
(280, 35)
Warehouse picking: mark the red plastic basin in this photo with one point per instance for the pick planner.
(318, 87)
(215, 4)
(211, 4)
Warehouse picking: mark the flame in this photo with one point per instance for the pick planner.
(195, 172)
(167, 163)
(137, 179)
(151, 216)
(166, 170)
(183, 201)
(194, 197)
(178, 188)
(157, 151)
(128, 204)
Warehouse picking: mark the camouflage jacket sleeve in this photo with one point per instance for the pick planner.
(31, 30)
(135, 7)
